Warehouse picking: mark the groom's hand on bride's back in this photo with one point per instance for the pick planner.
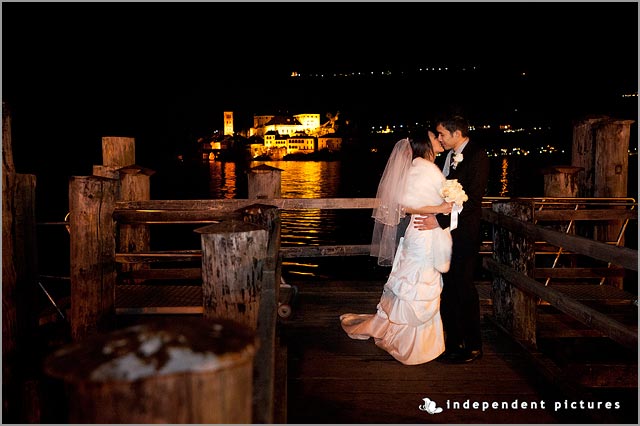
(425, 222)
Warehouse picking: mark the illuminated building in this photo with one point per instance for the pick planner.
(228, 123)
(300, 133)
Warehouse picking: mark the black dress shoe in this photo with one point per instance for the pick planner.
(444, 355)
(448, 353)
(473, 355)
(452, 356)
(460, 356)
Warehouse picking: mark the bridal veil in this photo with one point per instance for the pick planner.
(388, 211)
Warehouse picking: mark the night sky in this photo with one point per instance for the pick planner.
(164, 72)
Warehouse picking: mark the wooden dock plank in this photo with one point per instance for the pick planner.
(334, 379)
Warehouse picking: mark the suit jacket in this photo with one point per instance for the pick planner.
(473, 174)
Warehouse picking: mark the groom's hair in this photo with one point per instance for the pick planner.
(420, 143)
(455, 122)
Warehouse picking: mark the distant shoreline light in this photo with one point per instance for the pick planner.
(335, 74)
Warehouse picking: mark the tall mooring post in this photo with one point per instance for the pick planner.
(264, 182)
(20, 290)
(92, 201)
(118, 162)
(601, 148)
(269, 404)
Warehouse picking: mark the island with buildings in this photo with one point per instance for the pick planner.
(274, 137)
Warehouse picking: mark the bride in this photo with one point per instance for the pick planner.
(407, 323)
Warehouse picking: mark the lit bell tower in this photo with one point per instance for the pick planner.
(228, 123)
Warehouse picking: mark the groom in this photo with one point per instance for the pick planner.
(459, 303)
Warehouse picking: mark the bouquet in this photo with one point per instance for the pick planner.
(452, 191)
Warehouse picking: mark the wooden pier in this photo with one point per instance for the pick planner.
(334, 379)
(555, 332)
(535, 342)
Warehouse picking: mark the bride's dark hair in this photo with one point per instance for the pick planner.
(420, 143)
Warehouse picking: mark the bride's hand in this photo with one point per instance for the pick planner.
(446, 207)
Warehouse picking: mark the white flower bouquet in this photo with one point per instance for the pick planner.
(453, 191)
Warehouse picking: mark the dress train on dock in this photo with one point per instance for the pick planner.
(407, 323)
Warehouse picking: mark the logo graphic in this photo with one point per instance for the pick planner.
(430, 406)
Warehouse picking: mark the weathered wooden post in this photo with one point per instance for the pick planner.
(264, 366)
(92, 244)
(190, 371)
(601, 146)
(10, 332)
(264, 182)
(233, 259)
(135, 186)
(132, 238)
(514, 309)
(118, 162)
(561, 181)
(612, 158)
(583, 154)
(19, 285)
(118, 151)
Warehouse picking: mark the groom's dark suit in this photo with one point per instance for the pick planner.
(459, 303)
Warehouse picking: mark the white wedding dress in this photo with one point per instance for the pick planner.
(407, 323)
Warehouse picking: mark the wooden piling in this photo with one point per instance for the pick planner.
(9, 275)
(612, 158)
(92, 250)
(269, 404)
(26, 261)
(264, 182)
(561, 181)
(612, 171)
(132, 238)
(264, 366)
(583, 154)
(118, 158)
(19, 286)
(233, 259)
(191, 371)
(514, 309)
(118, 151)
(601, 146)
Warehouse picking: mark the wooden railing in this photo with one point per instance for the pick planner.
(556, 210)
(554, 213)
(513, 265)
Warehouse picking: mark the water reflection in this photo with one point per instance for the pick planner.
(504, 177)
(306, 179)
(222, 180)
(313, 227)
